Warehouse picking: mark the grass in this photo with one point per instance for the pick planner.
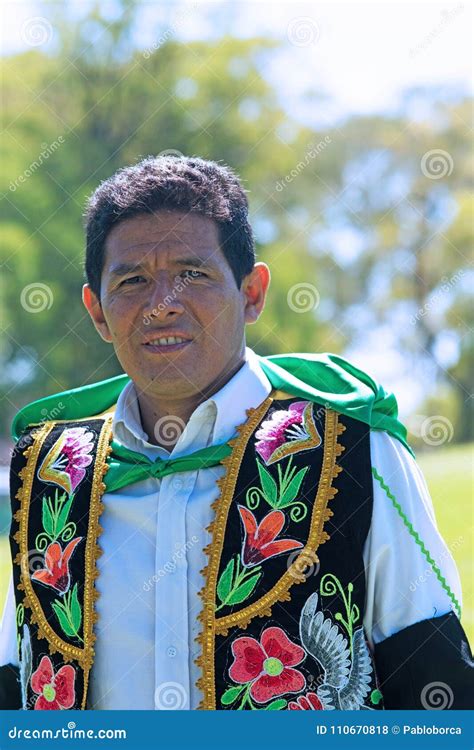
(448, 473)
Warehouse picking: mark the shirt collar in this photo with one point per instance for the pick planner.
(226, 409)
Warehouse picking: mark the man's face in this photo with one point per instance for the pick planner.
(166, 278)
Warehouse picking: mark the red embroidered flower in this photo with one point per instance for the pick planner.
(260, 541)
(65, 463)
(268, 664)
(56, 572)
(308, 702)
(55, 691)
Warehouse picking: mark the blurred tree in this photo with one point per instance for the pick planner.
(357, 234)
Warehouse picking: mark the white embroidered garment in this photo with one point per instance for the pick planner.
(153, 541)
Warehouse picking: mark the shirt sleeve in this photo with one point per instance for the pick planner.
(402, 588)
(8, 636)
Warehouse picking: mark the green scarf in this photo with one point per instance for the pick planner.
(325, 379)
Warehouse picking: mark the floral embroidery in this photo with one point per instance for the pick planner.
(346, 682)
(308, 702)
(65, 463)
(55, 691)
(281, 496)
(331, 586)
(56, 571)
(260, 542)
(54, 516)
(287, 431)
(56, 575)
(241, 574)
(265, 670)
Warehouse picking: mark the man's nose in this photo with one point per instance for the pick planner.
(165, 300)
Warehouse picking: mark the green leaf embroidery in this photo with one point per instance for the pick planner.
(47, 518)
(276, 705)
(63, 619)
(292, 489)
(63, 514)
(244, 590)
(224, 586)
(268, 485)
(231, 694)
(76, 613)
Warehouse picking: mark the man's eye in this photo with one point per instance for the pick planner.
(192, 274)
(130, 280)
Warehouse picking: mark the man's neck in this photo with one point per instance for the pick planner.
(164, 419)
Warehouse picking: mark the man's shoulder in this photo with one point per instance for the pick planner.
(77, 403)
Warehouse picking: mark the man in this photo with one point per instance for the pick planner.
(266, 540)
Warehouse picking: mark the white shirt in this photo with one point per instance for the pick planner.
(154, 534)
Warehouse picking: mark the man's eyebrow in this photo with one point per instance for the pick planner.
(121, 269)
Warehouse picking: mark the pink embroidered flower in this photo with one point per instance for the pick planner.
(268, 665)
(308, 702)
(293, 425)
(56, 573)
(55, 691)
(65, 462)
(260, 541)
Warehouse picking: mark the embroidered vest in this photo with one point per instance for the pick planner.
(284, 591)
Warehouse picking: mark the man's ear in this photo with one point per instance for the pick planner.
(94, 308)
(254, 287)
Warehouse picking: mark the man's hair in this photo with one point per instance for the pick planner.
(171, 183)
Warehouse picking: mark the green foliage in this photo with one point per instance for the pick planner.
(346, 209)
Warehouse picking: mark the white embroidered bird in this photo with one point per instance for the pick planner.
(344, 685)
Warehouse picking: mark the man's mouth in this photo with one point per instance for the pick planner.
(166, 343)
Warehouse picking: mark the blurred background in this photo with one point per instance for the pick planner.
(350, 126)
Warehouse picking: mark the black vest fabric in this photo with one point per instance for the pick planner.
(284, 594)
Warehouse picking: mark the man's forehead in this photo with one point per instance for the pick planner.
(148, 241)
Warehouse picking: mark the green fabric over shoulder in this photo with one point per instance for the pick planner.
(326, 379)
